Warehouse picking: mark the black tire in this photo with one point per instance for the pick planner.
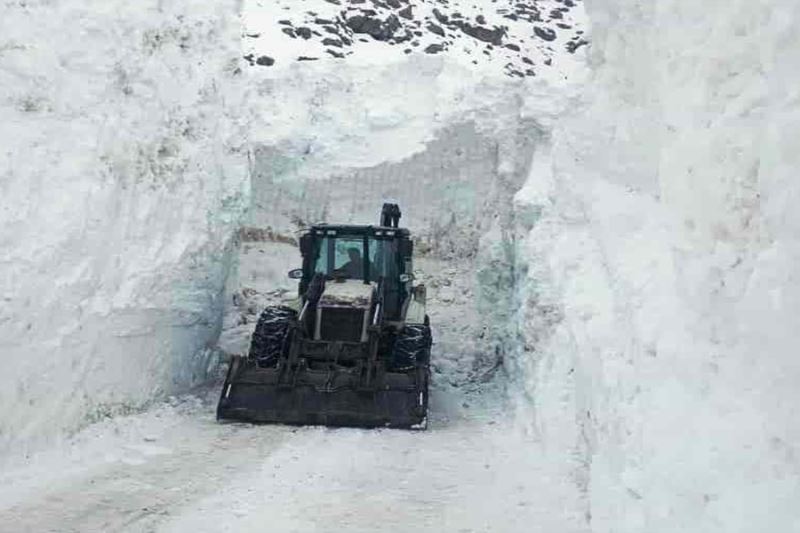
(412, 347)
(269, 337)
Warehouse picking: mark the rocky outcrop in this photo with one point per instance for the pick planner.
(507, 31)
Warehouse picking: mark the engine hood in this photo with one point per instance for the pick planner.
(349, 293)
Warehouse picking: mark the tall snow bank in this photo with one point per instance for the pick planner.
(662, 313)
(122, 173)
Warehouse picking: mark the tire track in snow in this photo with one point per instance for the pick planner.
(145, 482)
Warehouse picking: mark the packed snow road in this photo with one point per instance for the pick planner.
(174, 468)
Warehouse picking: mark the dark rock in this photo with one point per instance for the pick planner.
(285, 22)
(323, 21)
(393, 3)
(249, 58)
(392, 24)
(494, 36)
(547, 34)
(381, 30)
(364, 24)
(252, 35)
(434, 49)
(548, 61)
(512, 47)
(331, 29)
(304, 32)
(407, 51)
(441, 17)
(512, 16)
(569, 3)
(332, 42)
(289, 32)
(406, 13)
(529, 14)
(433, 28)
(556, 14)
(335, 2)
(480, 19)
(530, 72)
(335, 54)
(573, 46)
(527, 60)
(306, 58)
(564, 26)
(265, 61)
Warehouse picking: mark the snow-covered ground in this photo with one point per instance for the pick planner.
(175, 468)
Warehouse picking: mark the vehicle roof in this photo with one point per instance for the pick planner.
(351, 229)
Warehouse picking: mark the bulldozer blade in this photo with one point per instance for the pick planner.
(323, 397)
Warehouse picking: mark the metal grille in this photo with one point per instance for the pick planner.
(341, 324)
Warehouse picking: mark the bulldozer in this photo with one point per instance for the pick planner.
(354, 347)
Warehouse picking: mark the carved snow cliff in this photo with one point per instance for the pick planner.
(122, 176)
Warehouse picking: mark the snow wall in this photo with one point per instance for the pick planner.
(123, 174)
(662, 306)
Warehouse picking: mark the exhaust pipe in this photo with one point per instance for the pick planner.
(390, 215)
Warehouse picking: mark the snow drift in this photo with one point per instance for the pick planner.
(122, 175)
(662, 305)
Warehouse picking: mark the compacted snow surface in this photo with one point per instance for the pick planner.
(176, 469)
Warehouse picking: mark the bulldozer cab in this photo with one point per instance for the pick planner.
(369, 254)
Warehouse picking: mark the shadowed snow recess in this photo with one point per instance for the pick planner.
(663, 302)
